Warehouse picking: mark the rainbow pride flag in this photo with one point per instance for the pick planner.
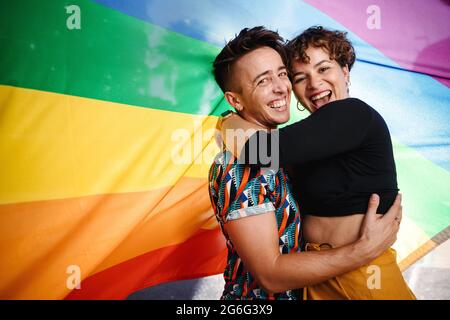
(107, 115)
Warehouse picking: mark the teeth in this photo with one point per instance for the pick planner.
(320, 95)
(278, 104)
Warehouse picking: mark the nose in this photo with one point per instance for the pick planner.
(314, 82)
(281, 86)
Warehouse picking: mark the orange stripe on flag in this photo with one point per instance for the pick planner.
(41, 240)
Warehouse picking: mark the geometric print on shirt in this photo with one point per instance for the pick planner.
(236, 191)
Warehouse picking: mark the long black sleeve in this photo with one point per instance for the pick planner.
(336, 128)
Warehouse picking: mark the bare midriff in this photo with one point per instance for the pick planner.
(336, 231)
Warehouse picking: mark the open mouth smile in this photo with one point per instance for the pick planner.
(278, 105)
(321, 98)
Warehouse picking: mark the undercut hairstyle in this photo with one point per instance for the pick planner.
(334, 42)
(247, 41)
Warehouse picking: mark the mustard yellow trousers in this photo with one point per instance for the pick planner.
(381, 279)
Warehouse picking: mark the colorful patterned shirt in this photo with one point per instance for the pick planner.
(237, 191)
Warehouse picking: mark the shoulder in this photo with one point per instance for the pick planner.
(362, 108)
(226, 168)
(346, 109)
(348, 104)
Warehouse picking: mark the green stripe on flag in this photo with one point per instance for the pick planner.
(426, 197)
(113, 57)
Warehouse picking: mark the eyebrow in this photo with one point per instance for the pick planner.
(315, 66)
(319, 63)
(267, 72)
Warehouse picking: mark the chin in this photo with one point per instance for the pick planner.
(279, 117)
(311, 109)
(283, 119)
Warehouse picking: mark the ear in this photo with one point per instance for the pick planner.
(346, 73)
(234, 100)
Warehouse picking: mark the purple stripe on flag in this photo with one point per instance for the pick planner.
(414, 33)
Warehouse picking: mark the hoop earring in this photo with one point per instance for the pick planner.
(299, 108)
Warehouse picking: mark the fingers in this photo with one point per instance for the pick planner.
(372, 207)
(399, 216)
(392, 230)
(395, 211)
(236, 132)
(394, 237)
(396, 227)
(218, 138)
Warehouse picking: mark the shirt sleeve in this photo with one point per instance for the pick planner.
(338, 127)
(240, 191)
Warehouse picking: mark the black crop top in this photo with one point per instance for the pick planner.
(339, 156)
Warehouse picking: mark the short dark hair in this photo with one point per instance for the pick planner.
(334, 42)
(247, 41)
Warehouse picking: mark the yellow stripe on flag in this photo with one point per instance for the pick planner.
(58, 146)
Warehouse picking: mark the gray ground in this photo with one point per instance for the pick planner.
(429, 278)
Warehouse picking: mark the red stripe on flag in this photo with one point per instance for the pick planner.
(201, 255)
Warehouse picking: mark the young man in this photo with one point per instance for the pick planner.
(254, 205)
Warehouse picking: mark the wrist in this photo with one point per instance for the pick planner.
(364, 250)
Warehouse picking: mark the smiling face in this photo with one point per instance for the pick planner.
(320, 81)
(263, 91)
